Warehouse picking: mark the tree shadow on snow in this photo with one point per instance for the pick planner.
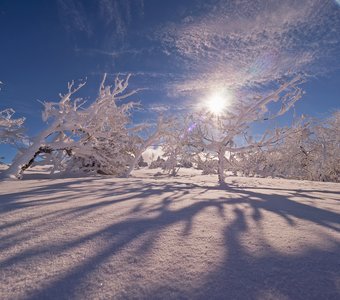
(311, 274)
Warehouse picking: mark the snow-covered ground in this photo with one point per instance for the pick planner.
(154, 237)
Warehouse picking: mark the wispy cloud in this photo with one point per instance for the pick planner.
(116, 14)
(170, 108)
(114, 53)
(215, 43)
(251, 42)
(102, 20)
(73, 16)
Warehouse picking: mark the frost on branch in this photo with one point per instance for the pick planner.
(149, 136)
(217, 133)
(87, 139)
(11, 130)
(325, 145)
(312, 154)
(176, 146)
(311, 151)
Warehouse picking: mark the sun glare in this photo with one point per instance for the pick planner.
(218, 101)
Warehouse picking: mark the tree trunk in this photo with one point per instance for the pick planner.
(24, 166)
(221, 160)
(133, 164)
(143, 148)
(24, 160)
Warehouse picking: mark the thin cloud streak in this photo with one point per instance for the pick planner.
(73, 16)
(234, 44)
(251, 42)
(111, 17)
(114, 54)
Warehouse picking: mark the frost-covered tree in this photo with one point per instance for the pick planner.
(11, 129)
(206, 162)
(290, 158)
(177, 151)
(221, 134)
(142, 141)
(274, 159)
(310, 151)
(93, 137)
(326, 154)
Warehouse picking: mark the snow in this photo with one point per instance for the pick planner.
(156, 237)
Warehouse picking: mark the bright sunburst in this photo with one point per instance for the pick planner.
(218, 101)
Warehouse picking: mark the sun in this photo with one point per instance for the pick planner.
(218, 101)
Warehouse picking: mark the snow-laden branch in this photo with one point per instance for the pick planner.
(217, 134)
(11, 130)
(95, 135)
(141, 144)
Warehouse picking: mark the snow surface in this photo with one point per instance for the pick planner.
(155, 237)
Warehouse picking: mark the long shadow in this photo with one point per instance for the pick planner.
(310, 275)
(16, 200)
(109, 194)
(46, 190)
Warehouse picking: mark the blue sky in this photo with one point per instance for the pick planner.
(179, 50)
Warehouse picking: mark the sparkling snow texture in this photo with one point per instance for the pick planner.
(155, 237)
